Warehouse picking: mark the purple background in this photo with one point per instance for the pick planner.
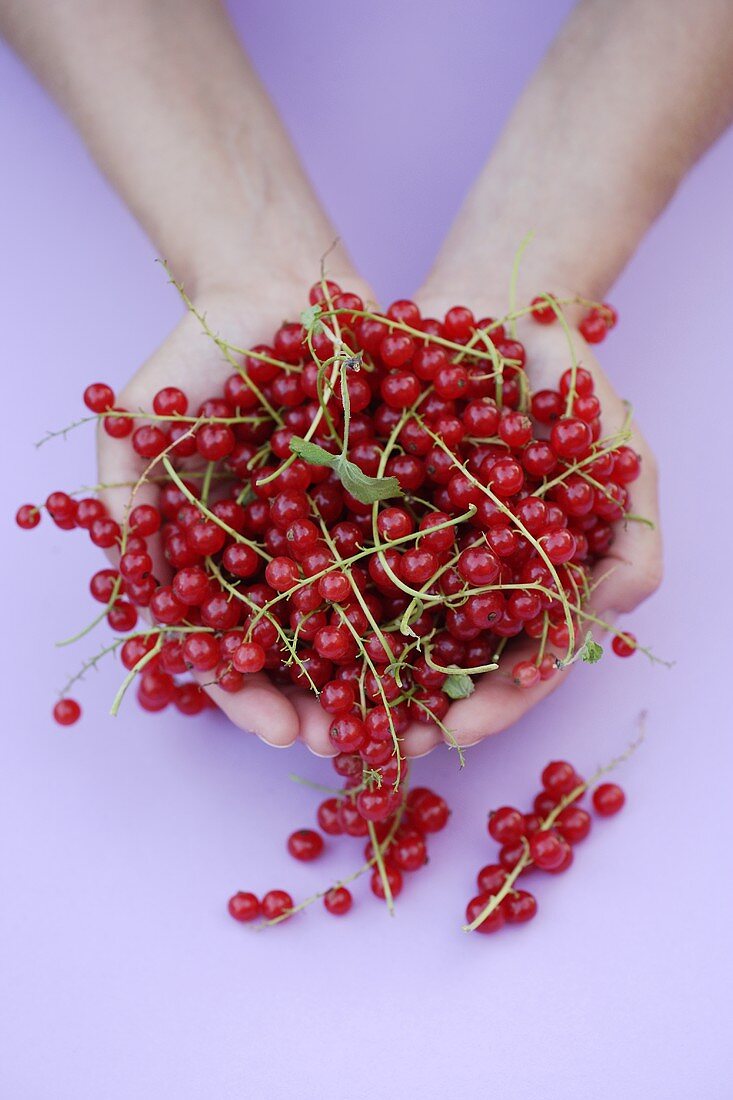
(122, 975)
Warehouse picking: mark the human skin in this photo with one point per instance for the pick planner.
(627, 99)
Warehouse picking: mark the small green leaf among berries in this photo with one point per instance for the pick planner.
(591, 652)
(459, 686)
(365, 488)
(310, 319)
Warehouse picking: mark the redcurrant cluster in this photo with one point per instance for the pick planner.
(503, 499)
(372, 508)
(542, 839)
(396, 845)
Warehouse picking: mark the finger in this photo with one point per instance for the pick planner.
(419, 739)
(313, 722)
(632, 569)
(259, 708)
(498, 702)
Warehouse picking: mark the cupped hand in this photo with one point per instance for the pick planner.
(280, 715)
(629, 573)
(191, 360)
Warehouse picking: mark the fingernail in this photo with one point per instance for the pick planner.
(320, 755)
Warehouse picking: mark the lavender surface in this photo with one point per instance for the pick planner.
(122, 975)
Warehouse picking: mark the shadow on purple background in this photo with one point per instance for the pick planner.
(122, 976)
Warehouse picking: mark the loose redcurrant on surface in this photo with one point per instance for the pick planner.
(338, 901)
(558, 778)
(28, 516)
(573, 824)
(546, 849)
(375, 508)
(394, 878)
(276, 903)
(244, 906)
(305, 844)
(624, 645)
(608, 799)
(66, 712)
(429, 812)
(506, 825)
(491, 923)
(491, 878)
(519, 907)
(99, 397)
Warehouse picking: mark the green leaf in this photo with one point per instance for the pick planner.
(311, 452)
(366, 489)
(591, 652)
(309, 319)
(355, 481)
(459, 686)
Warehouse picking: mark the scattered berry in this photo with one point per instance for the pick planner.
(338, 901)
(305, 844)
(66, 712)
(608, 799)
(244, 907)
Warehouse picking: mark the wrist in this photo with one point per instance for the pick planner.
(266, 273)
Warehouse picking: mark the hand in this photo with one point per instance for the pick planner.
(191, 360)
(628, 575)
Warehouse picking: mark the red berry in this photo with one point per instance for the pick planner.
(305, 844)
(491, 878)
(249, 658)
(377, 804)
(347, 733)
(593, 327)
(519, 907)
(545, 803)
(409, 850)
(328, 817)
(170, 402)
(351, 821)
(396, 349)
(28, 516)
(565, 862)
(492, 923)
(66, 712)
(429, 812)
(608, 799)
(559, 778)
(99, 397)
(458, 323)
(571, 437)
(542, 312)
(546, 849)
(506, 825)
(275, 903)
(394, 878)
(573, 823)
(149, 441)
(526, 674)
(511, 854)
(338, 901)
(244, 906)
(624, 645)
(60, 507)
(118, 426)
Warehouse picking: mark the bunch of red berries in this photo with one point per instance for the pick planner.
(372, 508)
(542, 839)
(397, 845)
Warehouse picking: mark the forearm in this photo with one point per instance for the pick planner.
(174, 115)
(630, 95)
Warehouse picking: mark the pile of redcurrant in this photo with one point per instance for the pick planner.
(397, 844)
(373, 507)
(542, 839)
